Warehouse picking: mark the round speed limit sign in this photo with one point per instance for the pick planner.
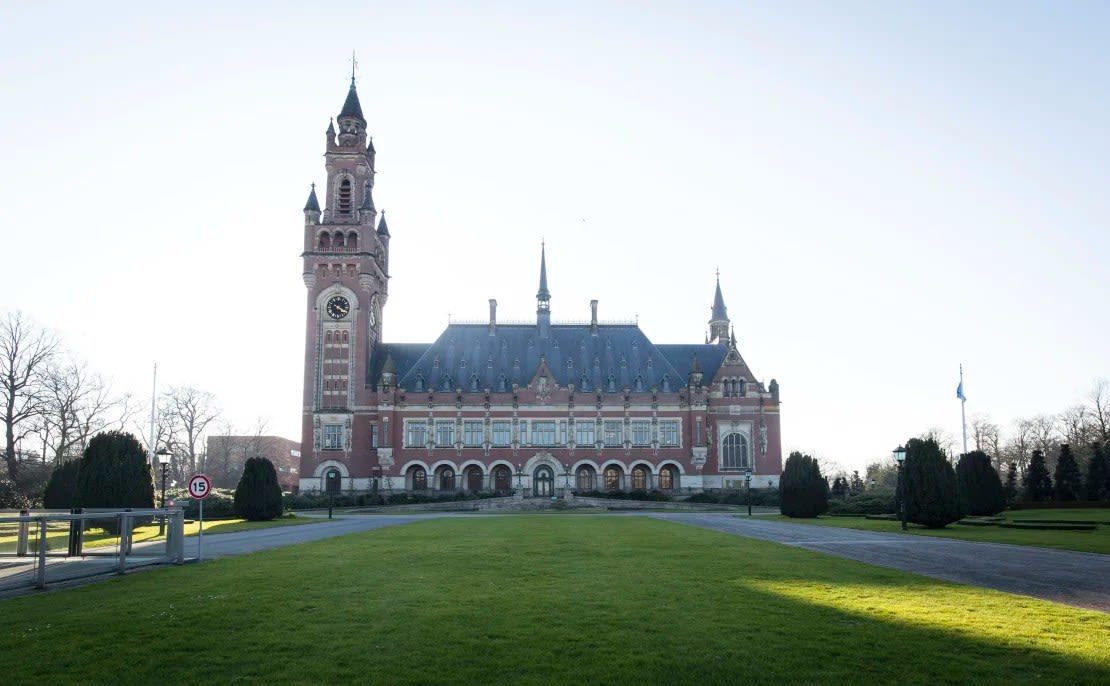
(199, 487)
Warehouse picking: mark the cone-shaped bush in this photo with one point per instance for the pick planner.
(929, 485)
(803, 491)
(1038, 484)
(1097, 477)
(981, 492)
(114, 472)
(62, 487)
(1068, 486)
(258, 495)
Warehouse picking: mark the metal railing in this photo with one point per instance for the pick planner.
(48, 546)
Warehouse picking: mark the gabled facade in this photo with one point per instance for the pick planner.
(537, 407)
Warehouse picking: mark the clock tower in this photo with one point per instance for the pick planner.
(346, 258)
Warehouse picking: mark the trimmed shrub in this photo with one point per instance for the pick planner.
(803, 491)
(929, 485)
(114, 472)
(981, 492)
(864, 504)
(1038, 484)
(258, 495)
(62, 487)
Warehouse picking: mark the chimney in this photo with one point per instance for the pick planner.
(492, 316)
(593, 317)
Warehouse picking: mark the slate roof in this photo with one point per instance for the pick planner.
(351, 106)
(466, 356)
(720, 313)
(313, 204)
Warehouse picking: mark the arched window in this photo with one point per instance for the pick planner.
(352, 241)
(346, 337)
(740, 388)
(337, 242)
(612, 479)
(327, 337)
(667, 478)
(447, 480)
(419, 479)
(585, 479)
(734, 452)
(418, 382)
(639, 478)
(345, 197)
(325, 241)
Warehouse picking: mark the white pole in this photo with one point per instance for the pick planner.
(963, 413)
(153, 398)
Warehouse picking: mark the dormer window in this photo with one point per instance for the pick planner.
(345, 197)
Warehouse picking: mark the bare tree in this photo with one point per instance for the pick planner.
(25, 354)
(1099, 409)
(186, 413)
(943, 438)
(1045, 437)
(987, 436)
(77, 404)
(1077, 427)
(1018, 449)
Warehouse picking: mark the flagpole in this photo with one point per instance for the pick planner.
(963, 413)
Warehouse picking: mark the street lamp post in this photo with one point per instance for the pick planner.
(900, 457)
(519, 477)
(164, 461)
(748, 488)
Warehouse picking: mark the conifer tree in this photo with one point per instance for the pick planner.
(929, 485)
(258, 495)
(1012, 483)
(1067, 476)
(1038, 484)
(803, 492)
(980, 489)
(62, 487)
(1098, 477)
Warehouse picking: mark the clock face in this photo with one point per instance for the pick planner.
(338, 307)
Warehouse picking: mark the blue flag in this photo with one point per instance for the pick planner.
(960, 391)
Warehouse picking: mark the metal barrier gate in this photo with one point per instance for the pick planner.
(43, 546)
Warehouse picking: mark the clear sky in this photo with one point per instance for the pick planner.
(888, 188)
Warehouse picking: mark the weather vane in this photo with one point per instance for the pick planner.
(354, 65)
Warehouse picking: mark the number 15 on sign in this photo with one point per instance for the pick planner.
(199, 488)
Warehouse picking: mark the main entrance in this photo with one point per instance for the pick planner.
(543, 482)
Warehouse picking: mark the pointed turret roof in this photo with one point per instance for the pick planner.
(720, 313)
(543, 293)
(331, 127)
(351, 106)
(370, 146)
(313, 205)
(383, 228)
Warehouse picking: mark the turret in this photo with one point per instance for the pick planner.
(312, 208)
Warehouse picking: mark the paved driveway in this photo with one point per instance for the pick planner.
(1080, 579)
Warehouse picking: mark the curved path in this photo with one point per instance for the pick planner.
(1063, 576)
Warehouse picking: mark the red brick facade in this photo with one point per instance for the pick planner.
(538, 408)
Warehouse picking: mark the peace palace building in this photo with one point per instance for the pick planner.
(531, 408)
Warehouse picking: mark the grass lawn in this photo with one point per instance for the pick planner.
(544, 600)
(1097, 541)
(57, 535)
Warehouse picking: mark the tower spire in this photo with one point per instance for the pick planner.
(718, 318)
(543, 297)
